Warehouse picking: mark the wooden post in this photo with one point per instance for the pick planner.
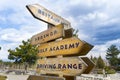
(69, 77)
(50, 26)
(34, 77)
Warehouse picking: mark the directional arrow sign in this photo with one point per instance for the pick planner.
(47, 16)
(70, 46)
(50, 34)
(90, 64)
(71, 66)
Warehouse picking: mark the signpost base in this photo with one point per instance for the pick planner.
(69, 77)
(35, 77)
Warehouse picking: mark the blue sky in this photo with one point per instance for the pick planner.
(98, 22)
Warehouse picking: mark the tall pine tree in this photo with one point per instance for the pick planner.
(100, 63)
(112, 55)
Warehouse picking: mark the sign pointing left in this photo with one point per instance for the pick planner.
(47, 16)
(47, 35)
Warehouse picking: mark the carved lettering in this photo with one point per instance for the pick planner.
(59, 66)
(60, 47)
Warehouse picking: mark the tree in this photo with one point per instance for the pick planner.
(94, 59)
(75, 32)
(1, 61)
(100, 63)
(25, 53)
(112, 55)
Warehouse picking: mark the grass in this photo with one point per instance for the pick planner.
(3, 77)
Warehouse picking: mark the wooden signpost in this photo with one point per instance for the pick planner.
(65, 50)
(50, 34)
(90, 64)
(70, 46)
(47, 16)
(70, 66)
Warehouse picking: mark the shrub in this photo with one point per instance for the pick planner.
(111, 71)
(3, 77)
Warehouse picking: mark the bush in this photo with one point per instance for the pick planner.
(3, 77)
(118, 68)
(100, 71)
(112, 71)
(109, 70)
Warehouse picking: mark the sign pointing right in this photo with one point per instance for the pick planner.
(89, 63)
(70, 46)
(71, 66)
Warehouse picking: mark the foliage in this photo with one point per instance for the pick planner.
(25, 53)
(109, 70)
(118, 68)
(75, 32)
(100, 63)
(1, 61)
(94, 59)
(100, 71)
(112, 55)
(3, 77)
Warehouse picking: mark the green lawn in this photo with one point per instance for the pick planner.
(3, 77)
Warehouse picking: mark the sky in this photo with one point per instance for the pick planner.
(98, 22)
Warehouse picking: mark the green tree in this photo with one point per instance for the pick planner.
(94, 59)
(25, 53)
(112, 55)
(1, 61)
(100, 63)
(75, 32)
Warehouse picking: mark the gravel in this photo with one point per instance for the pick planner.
(24, 77)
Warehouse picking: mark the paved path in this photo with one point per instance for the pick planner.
(15, 77)
(115, 76)
(24, 77)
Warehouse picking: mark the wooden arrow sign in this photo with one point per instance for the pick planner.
(47, 16)
(50, 34)
(71, 66)
(90, 64)
(70, 46)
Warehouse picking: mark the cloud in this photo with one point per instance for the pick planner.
(4, 50)
(84, 7)
(96, 20)
(100, 50)
(16, 24)
(99, 23)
